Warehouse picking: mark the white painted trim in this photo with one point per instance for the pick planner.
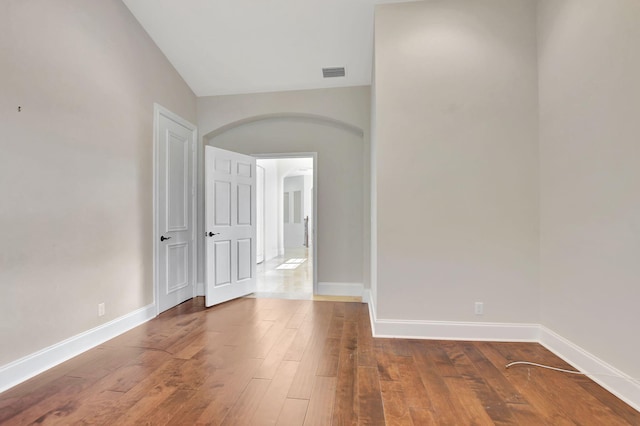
(31, 365)
(340, 289)
(450, 330)
(367, 297)
(159, 110)
(610, 378)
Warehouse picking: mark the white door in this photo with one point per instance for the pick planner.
(174, 206)
(230, 225)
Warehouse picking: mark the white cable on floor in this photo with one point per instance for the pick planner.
(630, 379)
(543, 366)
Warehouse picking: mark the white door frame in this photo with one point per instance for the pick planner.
(159, 110)
(314, 222)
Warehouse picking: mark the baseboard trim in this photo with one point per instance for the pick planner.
(367, 298)
(610, 378)
(340, 289)
(451, 330)
(31, 365)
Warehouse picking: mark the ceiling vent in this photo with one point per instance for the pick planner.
(333, 72)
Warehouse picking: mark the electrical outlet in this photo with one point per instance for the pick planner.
(100, 309)
(479, 308)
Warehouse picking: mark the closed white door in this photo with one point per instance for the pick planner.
(230, 225)
(174, 205)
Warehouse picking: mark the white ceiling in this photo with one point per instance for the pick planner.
(225, 47)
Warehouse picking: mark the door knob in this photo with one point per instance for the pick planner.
(211, 234)
(162, 238)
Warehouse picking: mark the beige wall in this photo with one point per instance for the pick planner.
(456, 160)
(76, 166)
(324, 121)
(590, 175)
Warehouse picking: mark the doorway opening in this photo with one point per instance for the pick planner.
(286, 211)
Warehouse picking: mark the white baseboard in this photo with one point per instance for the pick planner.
(340, 289)
(199, 289)
(610, 378)
(31, 365)
(451, 330)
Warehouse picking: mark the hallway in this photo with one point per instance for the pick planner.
(293, 279)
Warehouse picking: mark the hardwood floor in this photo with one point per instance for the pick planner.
(302, 362)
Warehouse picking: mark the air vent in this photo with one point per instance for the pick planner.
(333, 72)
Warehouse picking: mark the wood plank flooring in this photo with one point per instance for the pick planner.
(302, 362)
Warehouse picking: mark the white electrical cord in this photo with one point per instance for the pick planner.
(543, 366)
(636, 381)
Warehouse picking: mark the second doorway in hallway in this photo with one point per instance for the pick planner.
(285, 226)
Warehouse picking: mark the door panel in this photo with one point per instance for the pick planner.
(178, 178)
(244, 259)
(230, 220)
(222, 265)
(222, 191)
(244, 204)
(178, 273)
(244, 169)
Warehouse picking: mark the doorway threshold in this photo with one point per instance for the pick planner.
(278, 295)
(323, 298)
